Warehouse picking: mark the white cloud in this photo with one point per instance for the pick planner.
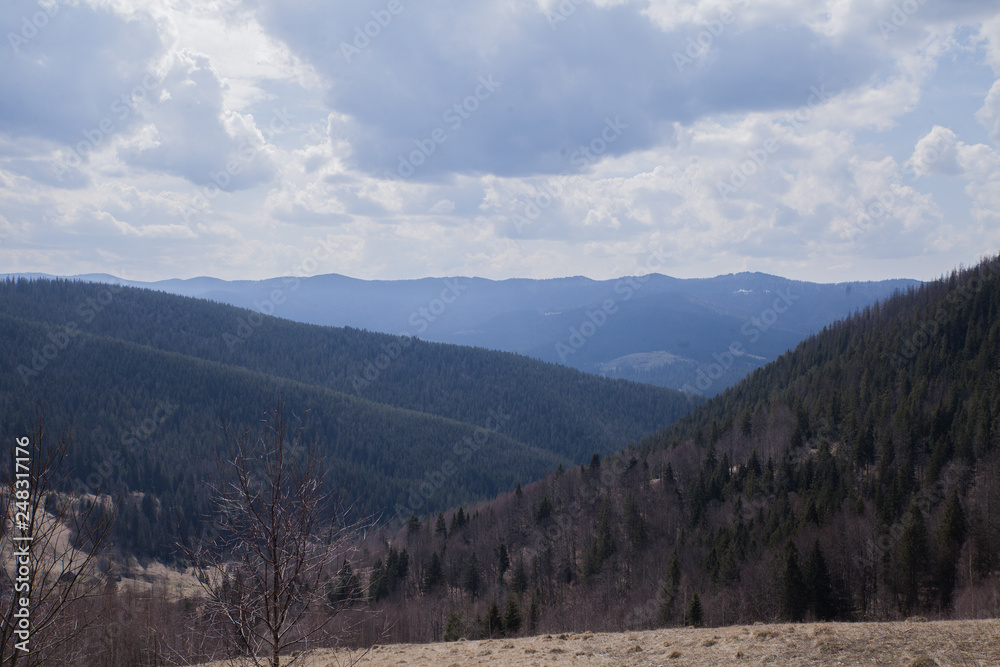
(299, 132)
(989, 114)
(936, 153)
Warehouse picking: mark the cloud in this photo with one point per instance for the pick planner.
(936, 153)
(62, 70)
(443, 206)
(415, 132)
(989, 115)
(193, 136)
(556, 86)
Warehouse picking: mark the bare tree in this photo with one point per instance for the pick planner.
(49, 552)
(279, 537)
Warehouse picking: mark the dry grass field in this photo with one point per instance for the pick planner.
(909, 644)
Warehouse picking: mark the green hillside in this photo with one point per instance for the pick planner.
(856, 477)
(147, 378)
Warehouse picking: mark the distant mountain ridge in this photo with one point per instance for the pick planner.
(701, 335)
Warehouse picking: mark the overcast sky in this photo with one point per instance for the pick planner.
(823, 140)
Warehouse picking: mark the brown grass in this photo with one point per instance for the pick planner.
(907, 644)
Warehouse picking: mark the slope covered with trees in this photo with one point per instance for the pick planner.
(147, 378)
(856, 477)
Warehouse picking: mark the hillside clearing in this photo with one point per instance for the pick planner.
(909, 644)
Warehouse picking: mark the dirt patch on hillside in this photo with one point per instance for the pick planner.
(909, 644)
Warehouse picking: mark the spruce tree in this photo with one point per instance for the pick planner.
(503, 560)
(512, 616)
(434, 575)
(817, 577)
(671, 586)
(493, 623)
(471, 579)
(533, 613)
(912, 559)
(453, 628)
(635, 525)
(793, 588)
(519, 580)
(345, 588)
(951, 537)
(694, 611)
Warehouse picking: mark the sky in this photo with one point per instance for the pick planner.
(823, 140)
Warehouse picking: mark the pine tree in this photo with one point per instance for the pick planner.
(471, 579)
(671, 586)
(519, 580)
(434, 575)
(453, 627)
(604, 544)
(951, 537)
(378, 585)
(694, 611)
(345, 588)
(793, 588)
(512, 616)
(441, 528)
(635, 525)
(544, 510)
(503, 560)
(493, 623)
(912, 559)
(533, 613)
(458, 520)
(817, 578)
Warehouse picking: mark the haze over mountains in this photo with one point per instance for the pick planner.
(698, 334)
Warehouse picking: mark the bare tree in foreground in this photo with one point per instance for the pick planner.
(279, 538)
(57, 567)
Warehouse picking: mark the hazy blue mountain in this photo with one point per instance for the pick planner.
(667, 331)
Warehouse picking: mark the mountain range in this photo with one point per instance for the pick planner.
(147, 379)
(855, 477)
(700, 335)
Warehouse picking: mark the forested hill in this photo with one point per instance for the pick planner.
(855, 477)
(146, 378)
